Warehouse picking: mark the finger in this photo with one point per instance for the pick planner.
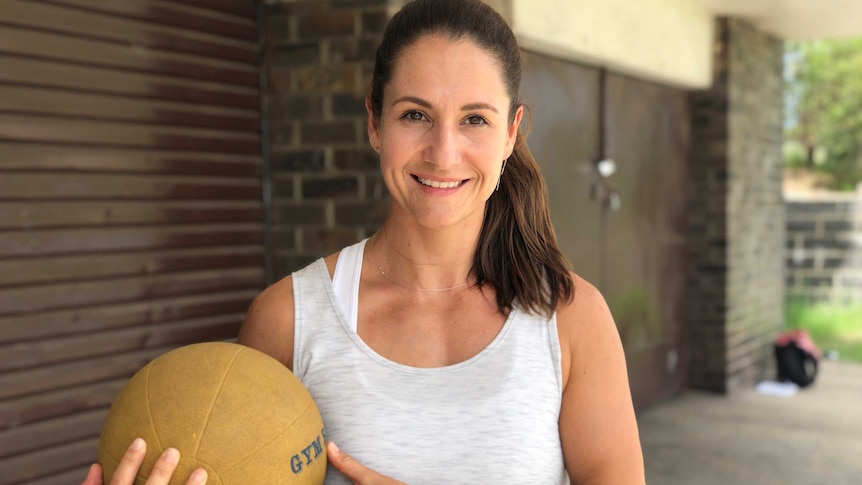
(164, 467)
(198, 477)
(352, 469)
(94, 475)
(345, 463)
(129, 464)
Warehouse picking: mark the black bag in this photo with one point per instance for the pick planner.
(795, 364)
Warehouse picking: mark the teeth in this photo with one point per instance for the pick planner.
(439, 185)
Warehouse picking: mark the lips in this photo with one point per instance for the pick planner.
(438, 184)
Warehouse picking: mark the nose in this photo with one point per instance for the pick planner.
(442, 148)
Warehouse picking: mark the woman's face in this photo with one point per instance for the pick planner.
(444, 131)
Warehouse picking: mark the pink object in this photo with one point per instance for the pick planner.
(802, 340)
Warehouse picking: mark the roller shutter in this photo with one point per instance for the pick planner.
(130, 206)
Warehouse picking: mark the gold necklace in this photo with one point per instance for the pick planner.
(389, 279)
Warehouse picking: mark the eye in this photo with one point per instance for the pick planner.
(413, 115)
(476, 120)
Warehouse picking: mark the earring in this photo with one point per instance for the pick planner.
(501, 173)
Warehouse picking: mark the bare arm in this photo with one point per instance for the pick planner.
(598, 428)
(268, 325)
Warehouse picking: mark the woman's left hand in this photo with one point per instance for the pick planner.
(352, 469)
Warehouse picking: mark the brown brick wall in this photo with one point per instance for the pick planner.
(737, 213)
(708, 227)
(326, 189)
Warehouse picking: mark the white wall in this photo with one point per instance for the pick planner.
(668, 41)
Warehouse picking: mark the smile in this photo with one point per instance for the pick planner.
(437, 184)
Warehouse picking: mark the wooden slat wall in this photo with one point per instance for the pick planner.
(130, 206)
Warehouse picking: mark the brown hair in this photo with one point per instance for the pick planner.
(517, 253)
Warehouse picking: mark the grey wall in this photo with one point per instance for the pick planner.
(824, 249)
(737, 214)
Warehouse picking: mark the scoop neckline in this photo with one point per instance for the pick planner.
(404, 368)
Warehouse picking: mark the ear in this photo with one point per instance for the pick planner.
(373, 125)
(512, 131)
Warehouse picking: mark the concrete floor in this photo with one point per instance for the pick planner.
(747, 438)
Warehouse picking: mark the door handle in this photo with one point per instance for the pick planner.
(601, 189)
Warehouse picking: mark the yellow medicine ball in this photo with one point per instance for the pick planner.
(230, 409)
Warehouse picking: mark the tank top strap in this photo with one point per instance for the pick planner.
(345, 281)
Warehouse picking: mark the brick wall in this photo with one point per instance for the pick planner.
(755, 204)
(325, 183)
(708, 226)
(737, 214)
(824, 248)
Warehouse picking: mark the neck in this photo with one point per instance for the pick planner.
(425, 259)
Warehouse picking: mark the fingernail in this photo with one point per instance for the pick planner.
(137, 445)
(335, 447)
(171, 455)
(199, 476)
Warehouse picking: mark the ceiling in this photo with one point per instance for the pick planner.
(795, 19)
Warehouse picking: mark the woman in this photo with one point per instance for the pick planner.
(454, 345)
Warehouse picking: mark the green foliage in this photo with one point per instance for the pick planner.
(831, 326)
(794, 154)
(823, 90)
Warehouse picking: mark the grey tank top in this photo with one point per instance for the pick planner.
(491, 419)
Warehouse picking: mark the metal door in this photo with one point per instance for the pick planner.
(563, 129)
(647, 134)
(623, 232)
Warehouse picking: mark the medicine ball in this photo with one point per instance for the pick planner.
(230, 409)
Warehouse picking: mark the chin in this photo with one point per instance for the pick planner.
(437, 220)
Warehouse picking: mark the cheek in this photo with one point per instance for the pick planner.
(393, 168)
(491, 147)
(393, 156)
(397, 139)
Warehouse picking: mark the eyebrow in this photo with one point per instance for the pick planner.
(426, 104)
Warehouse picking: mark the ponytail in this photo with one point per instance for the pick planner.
(518, 254)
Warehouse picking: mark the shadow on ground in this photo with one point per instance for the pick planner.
(814, 437)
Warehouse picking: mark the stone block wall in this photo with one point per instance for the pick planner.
(737, 212)
(824, 249)
(325, 186)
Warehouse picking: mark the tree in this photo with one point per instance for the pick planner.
(824, 107)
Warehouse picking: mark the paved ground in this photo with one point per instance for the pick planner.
(814, 437)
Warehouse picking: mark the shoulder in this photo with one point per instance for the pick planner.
(268, 324)
(586, 313)
(586, 296)
(586, 330)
